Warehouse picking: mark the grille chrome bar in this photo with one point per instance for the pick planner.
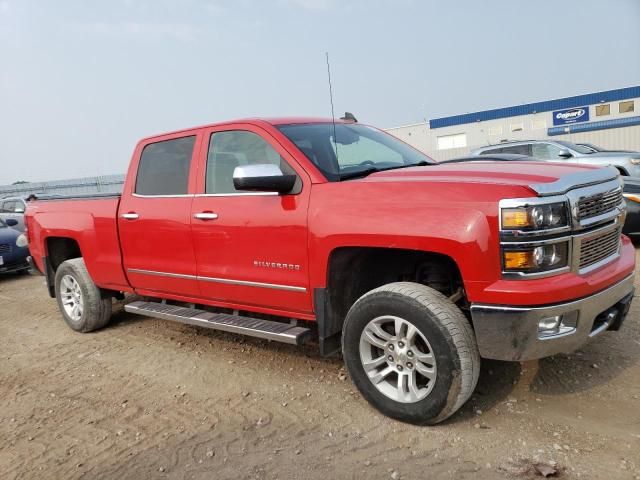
(596, 248)
(599, 204)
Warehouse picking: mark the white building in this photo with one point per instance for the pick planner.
(610, 120)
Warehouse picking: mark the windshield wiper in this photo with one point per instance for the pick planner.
(358, 173)
(369, 170)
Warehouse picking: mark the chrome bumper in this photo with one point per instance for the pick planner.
(511, 333)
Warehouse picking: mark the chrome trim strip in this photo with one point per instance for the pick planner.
(253, 284)
(161, 274)
(228, 281)
(239, 194)
(575, 180)
(186, 195)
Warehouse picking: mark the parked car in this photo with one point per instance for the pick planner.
(631, 192)
(628, 163)
(13, 208)
(287, 229)
(14, 253)
(495, 157)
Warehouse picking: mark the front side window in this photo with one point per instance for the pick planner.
(546, 151)
(343, 151)
(164, 167)
(235, 148)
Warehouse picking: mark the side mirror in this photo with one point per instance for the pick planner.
(262, 177)
(11, 222)
(19, 210)
(564, 153)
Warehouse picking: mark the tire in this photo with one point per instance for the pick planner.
(94, 309)
(440, 357)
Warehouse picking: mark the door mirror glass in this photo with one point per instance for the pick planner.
(564, 153)
(19, 210)
(11, 222)
(262, 177)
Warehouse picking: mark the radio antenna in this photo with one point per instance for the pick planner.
(333, 116)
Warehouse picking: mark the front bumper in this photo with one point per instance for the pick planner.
(14, 266)
(511, 333)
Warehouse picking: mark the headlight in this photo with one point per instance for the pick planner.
(535, 217)
(535, 259)
(635, 161)
(22, 241)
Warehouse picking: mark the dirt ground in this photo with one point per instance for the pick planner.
(147, 398)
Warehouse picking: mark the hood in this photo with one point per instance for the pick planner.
(544, 178)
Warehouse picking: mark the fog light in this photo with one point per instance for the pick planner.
(549, 325)
(558, 325)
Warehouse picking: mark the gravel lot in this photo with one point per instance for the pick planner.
(151, 399)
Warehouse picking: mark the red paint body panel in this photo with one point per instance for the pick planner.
(92, 224)
(450, 209)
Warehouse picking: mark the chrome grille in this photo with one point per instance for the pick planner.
(599, 204)
(599, 248)
(5, 248)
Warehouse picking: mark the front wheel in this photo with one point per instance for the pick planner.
(411, 352)
(82, 304)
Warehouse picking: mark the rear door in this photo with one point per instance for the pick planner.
(154, 217)
(251, 247)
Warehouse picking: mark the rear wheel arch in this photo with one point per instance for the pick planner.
(57, 251)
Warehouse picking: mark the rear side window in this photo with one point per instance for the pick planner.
(164, 167)
(491, 150)
(517, 149)
(8, 207)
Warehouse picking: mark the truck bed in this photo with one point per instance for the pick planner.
(88, 220)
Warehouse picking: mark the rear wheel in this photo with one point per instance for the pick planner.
(411, 352)
(82, 304)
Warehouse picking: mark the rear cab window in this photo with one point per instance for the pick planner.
(164, 167)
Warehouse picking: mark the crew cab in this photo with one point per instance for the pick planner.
(334, 232)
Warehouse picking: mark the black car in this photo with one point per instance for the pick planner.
(631, 192)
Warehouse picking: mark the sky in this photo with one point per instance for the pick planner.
(82, 81)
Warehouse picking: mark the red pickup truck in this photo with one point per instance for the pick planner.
(297, 228)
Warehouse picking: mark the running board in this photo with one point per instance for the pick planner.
(253, 327)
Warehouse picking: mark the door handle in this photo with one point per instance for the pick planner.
(130, 216)
(206, 216)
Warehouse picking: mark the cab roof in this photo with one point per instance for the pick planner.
(274, 121)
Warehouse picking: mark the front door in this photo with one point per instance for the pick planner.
(251, 248)
(154, 217)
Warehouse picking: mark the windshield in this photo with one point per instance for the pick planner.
(576, 148)
(356, 150)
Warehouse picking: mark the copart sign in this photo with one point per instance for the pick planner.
(571, 115)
